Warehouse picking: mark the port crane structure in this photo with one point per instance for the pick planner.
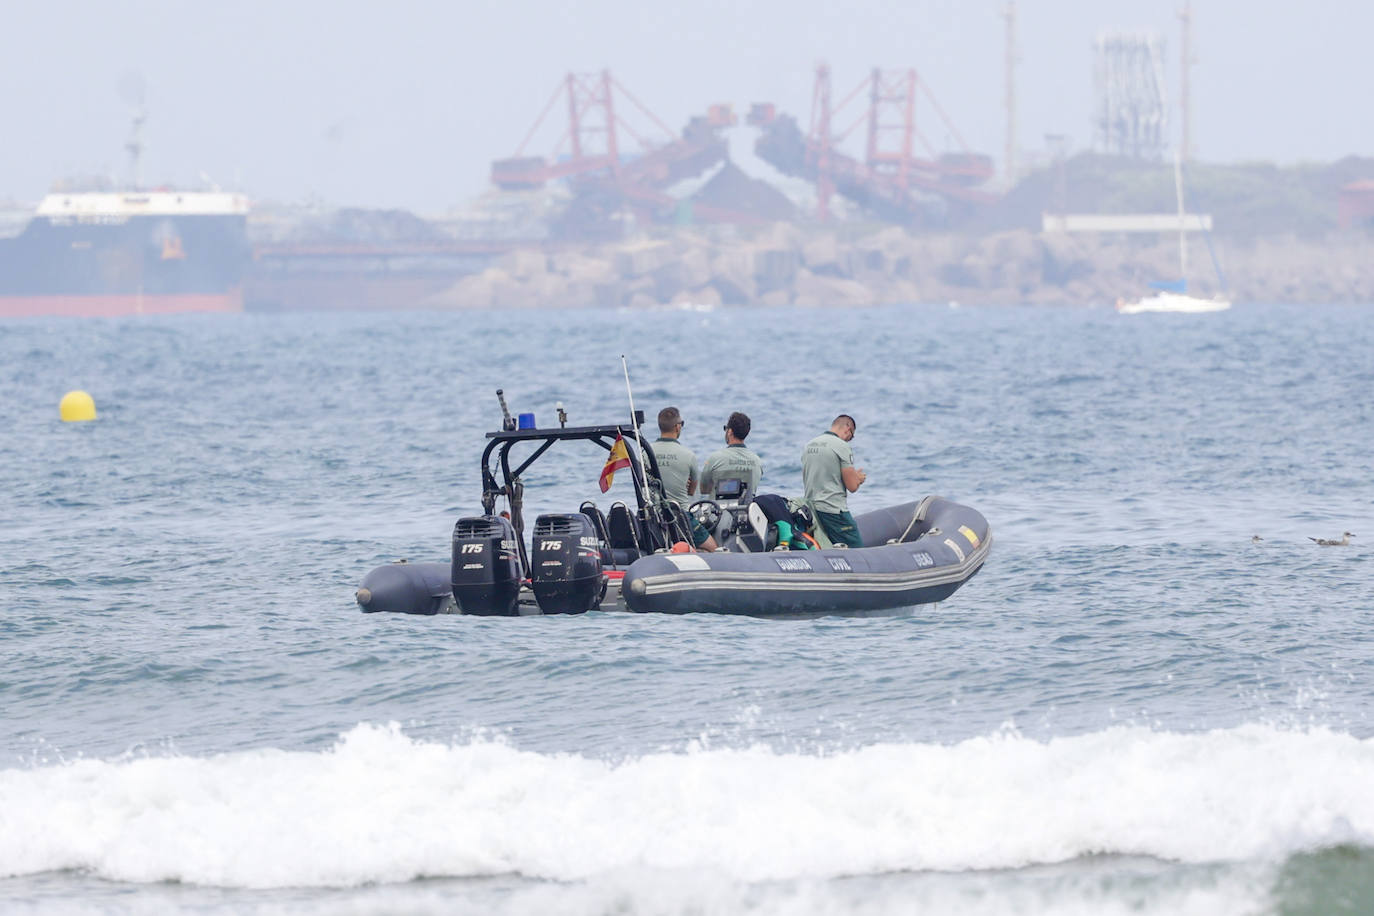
(891, 179)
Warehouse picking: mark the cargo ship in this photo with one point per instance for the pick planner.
(112, 253)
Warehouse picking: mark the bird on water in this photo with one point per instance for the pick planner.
(1332, 542)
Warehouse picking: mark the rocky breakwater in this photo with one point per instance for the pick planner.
(790, 264)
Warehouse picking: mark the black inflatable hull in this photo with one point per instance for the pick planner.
(937, 546)
(407, 588)
(945, 545)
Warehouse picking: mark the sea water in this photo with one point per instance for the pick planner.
(1135, 707)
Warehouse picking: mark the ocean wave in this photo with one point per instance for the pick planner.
(382, 807)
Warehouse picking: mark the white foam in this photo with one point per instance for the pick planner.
(381, 807)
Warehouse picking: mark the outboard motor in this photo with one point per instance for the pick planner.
(486, 566)
(566, 561)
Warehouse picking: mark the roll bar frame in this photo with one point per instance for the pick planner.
(648, 485)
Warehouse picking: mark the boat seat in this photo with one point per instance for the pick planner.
(622, 531)
(610, 554)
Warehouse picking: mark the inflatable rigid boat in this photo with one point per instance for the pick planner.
(922, 552)
(634, 559)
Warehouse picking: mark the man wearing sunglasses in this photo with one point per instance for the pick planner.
(829, 476)
(677, 468)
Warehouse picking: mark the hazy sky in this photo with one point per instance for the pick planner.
(405, 103)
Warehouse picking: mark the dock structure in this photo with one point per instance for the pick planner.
(1126, 222)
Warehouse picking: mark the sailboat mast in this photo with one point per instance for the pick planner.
(1182, 228)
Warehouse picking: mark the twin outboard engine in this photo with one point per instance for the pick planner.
(566, 564)
(486, 566)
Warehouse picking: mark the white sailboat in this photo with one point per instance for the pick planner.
(1173, 297)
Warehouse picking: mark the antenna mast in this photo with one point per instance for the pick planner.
(1185, 18)
(1010, 164)
(134, 146)
(1182, 229)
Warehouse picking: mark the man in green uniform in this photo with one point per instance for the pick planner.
(829, 476)
(735, 461)
(677, 468)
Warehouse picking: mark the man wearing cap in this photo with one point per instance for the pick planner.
(829, 476)
(677, 468)
(735, 461)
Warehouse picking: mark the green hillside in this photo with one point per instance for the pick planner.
(1246, 200)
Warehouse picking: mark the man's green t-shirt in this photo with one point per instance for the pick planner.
(677, 467)
(734, 462)
(823, 460)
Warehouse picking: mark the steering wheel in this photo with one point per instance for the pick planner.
(706, 511)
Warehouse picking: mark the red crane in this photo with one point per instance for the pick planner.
(890, 178)
(590, 154)
(592, 141)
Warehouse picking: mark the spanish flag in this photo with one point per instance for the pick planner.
(619, 458)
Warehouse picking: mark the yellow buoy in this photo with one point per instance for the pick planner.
(77, 406)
